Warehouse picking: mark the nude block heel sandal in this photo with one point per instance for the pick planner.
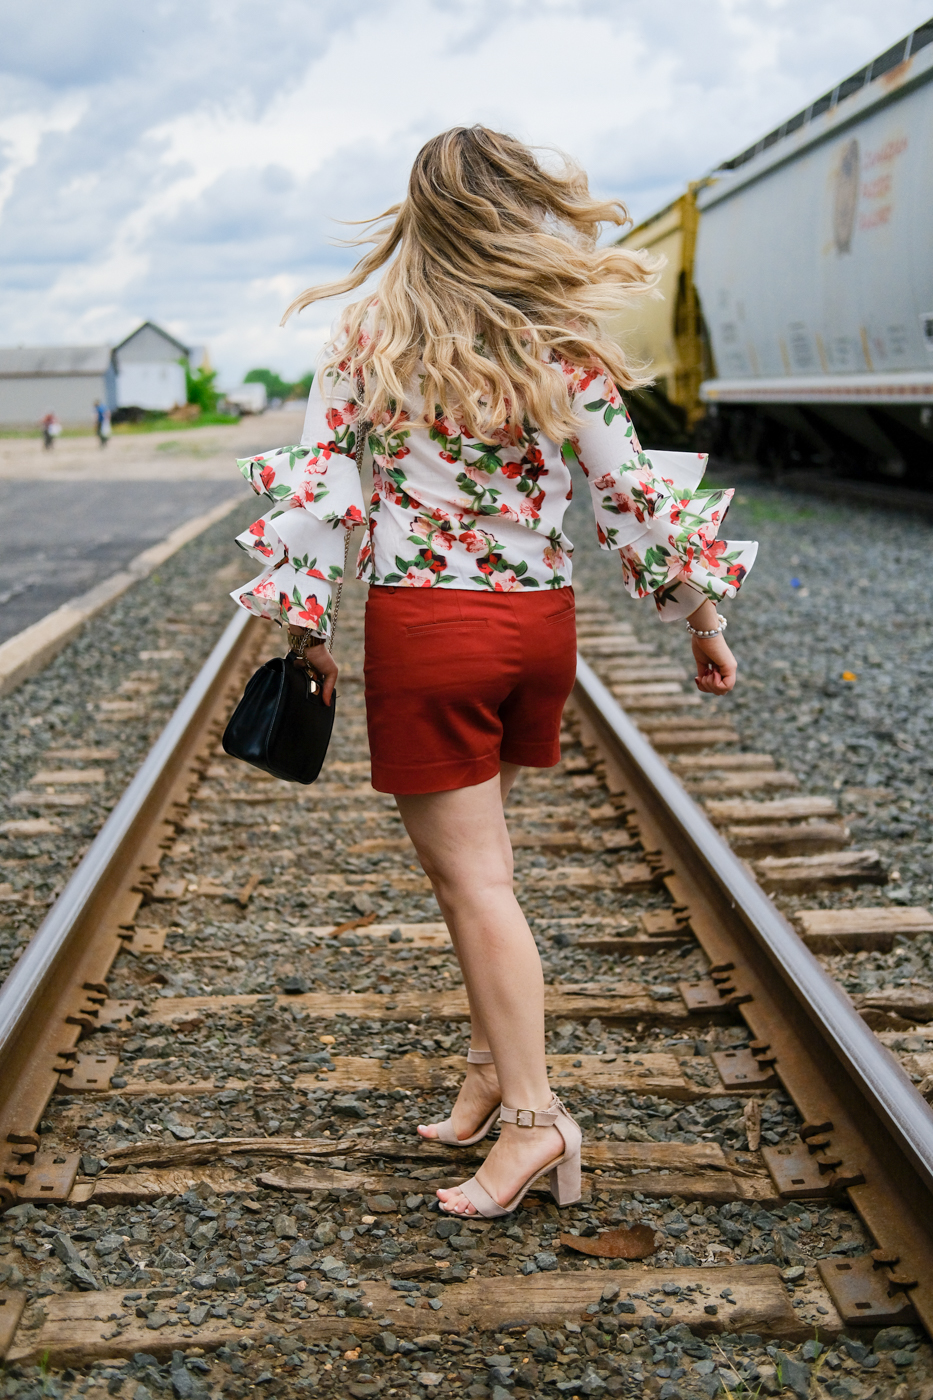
(564, 1177)
(445, 1130)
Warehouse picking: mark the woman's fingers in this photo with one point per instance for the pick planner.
(330, 681)
(319, 660)
(716, 666)
(711, 682)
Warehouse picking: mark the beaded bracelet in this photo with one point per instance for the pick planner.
(723, 624)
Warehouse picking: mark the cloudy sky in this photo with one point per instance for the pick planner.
(188, 162)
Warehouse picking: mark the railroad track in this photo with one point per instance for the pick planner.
(214, 1051)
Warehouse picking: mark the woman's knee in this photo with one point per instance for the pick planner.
(469, 872)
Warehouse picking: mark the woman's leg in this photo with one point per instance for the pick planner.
(480, 1091)
(463, 844)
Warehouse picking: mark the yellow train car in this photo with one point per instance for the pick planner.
(669, 333)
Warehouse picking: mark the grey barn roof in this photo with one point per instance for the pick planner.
(151, 326)
(30, 361)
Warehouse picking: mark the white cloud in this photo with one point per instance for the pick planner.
(188, 163)
(21, 135)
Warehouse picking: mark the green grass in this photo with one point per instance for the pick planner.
(174, 425)
(162, 424)
(37, 432)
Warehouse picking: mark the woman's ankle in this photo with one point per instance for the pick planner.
(529, 1102)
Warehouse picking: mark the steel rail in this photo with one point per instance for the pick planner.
(38, 988)
(893, 1121)
(866, 1061)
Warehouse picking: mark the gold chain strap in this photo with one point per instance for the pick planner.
(360, 449)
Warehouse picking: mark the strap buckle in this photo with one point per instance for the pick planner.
(528, 1113)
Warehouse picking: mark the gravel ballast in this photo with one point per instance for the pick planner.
(266, 1259)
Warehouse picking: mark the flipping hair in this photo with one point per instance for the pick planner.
(496, 269)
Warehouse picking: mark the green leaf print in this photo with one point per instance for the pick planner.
(484, 497)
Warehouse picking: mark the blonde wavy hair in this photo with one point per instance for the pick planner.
(496, 264)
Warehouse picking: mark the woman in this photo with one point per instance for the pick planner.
(485, 383)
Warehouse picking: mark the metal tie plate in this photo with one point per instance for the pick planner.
(863, 1292)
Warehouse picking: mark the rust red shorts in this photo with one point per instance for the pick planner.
(458, 682)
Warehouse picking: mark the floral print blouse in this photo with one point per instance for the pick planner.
(450, 512)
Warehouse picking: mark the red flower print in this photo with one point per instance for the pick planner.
(511, 470)
(312, 611)
(419, 578)
(267, 476)
(258, 528)
(352, 516)
(710, 552)
(605, 482)
(474, 540)
(446, 457)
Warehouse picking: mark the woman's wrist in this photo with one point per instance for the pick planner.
(704, 616)
(709, 632)
(302, 640)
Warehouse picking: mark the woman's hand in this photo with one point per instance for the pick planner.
(717, 668)
(318, 660)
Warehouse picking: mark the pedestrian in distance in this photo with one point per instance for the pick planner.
(104, 428)
(483, 384)
(51, 429)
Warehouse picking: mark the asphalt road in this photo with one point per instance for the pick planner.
(58, 539)
(71, 517)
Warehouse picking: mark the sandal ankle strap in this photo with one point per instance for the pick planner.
(479, 1057)
(530, 1117)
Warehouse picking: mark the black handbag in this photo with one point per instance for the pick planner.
(282, 724)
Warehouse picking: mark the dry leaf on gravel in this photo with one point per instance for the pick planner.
(635, 1243)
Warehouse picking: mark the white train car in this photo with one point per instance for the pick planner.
(814, 269)
(797, 326)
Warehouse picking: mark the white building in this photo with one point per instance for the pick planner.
(64, 379)
(149, 370)
(145, 371)
(248, 398)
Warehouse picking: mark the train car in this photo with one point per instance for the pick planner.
(797, 325)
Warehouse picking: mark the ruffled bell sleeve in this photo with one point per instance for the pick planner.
(651, 507)
(316, 491)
